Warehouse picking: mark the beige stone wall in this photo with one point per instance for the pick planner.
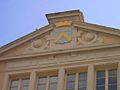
(82, 60)
(2, 74)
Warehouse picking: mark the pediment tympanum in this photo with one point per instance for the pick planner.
(64, 36)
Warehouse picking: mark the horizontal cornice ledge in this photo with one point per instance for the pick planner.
(61, 51)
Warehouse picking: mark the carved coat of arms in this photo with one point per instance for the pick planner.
(62, 35)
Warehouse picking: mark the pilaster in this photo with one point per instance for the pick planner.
(6, 82)
(90, 77)
(61, 79)
(32, 80)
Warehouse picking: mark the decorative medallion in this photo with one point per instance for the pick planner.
(89, 38)
(39, 44)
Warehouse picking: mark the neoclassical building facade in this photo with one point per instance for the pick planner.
(66, 54)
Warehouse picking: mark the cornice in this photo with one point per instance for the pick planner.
(26, 38)
(99, 28)
(75, 63)
(61, 51)
(47, 28)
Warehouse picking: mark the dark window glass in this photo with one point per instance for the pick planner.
(100, 80)
(42, 87)
(112, 81)
(70, 84)
(71, 77)
(112, 87)
(25, 84)
(100, 74)
(42, 80)
(113, 73)
(81, 88)
(42, 83)
(53, 83)
(14, 85)
(100, 87)
(83, 76)
(82, 81)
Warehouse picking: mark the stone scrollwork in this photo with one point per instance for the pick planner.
(64, 36)
(39, 44)
(87, 38)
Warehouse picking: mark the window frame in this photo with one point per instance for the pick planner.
(47, 80)
(106, 76)
(76, 78)
(19, 82)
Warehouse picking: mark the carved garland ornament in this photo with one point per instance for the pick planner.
(63, 36)
(39, 44)
(87, 38)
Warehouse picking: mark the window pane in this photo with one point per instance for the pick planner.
(71, 78)
(42, 87)
(100, 88)
(14, 83)
(53, 79)
(42, 83)
(112, 80)
(14, 88)
(82, 81)
(25, 88)
(101, 81)
(83, 76)
(113, 73)
(100, 74)
(82, 89)
(112, 87)
(53, 83)
(42, 80)
(70, 84)
(25, 84)
(53, 87)
(82, 84)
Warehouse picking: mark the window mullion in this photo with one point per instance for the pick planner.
(95, 85)
(106, 79)
(76, 81)
(65, 81)
(118, 77)
(19, 84)
(48, 82)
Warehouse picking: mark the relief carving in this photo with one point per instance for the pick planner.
(87, 38)
(65, 36)
(39, 44)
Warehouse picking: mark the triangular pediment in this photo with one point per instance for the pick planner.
(56, 39)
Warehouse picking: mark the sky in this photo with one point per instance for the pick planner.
(21, 17)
